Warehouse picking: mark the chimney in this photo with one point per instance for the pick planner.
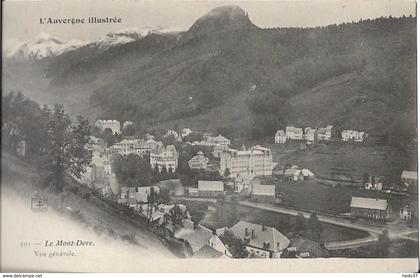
(252, 234)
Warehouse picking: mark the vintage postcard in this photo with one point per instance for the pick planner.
(205, 136)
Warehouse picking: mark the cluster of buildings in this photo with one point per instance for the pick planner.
(100, 175)
(246, 186)
(309, 134)
(312, 135)
(374, 183)
(178, 135)
(380, 209)
(133, 196)
(294, 173)
(204, 242)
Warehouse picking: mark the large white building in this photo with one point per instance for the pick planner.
(155, 146)
(324, 133)
(294, 133)
(166, 158)
(311, 134)
(219, 139)
(256, 161)
(353, 135)
(114, 125)
(136, 146)
(198, 161)
(280, 137)
(218, 149)
(129, 146)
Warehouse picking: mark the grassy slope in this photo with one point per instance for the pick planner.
(20, 176)
(362, 158)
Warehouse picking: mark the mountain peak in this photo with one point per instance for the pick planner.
(42, 46)
(224, 18)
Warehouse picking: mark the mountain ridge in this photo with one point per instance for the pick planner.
(263, 77)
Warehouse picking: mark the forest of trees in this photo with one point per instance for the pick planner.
(267, 69)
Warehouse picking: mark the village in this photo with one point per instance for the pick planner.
(194, 176)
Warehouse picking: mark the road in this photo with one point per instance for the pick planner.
(374, 230)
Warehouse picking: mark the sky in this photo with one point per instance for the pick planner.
(21, 18)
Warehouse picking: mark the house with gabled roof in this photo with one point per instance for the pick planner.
(210, 188)
(260, 240)
(409, 177)
(369, 208)
(200, 237)
(263, 193)
(280, 137)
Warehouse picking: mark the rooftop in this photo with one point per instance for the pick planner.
(208, 252)
(197, 237)
(409, 175)
(267, 190)
(368, 203)
(210, 186)
(269, 237)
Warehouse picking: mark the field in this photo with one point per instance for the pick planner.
(310, 195)
(214, 216)
(396, 249)
(378, 160)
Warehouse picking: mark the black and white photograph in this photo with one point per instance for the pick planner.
(141, 136)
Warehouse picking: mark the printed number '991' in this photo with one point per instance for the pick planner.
(25, 244)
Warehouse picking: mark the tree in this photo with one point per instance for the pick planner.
(300, 223)
(372, 180)
(365, 178)
(227, 173)
(194, 136)
(235, 244)
(129, 130)
(65, 150)
(176, 215)
(109, 137)
(313, 228)
(23, 119)
(169, 140)
(132, 170)
(383, 244)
